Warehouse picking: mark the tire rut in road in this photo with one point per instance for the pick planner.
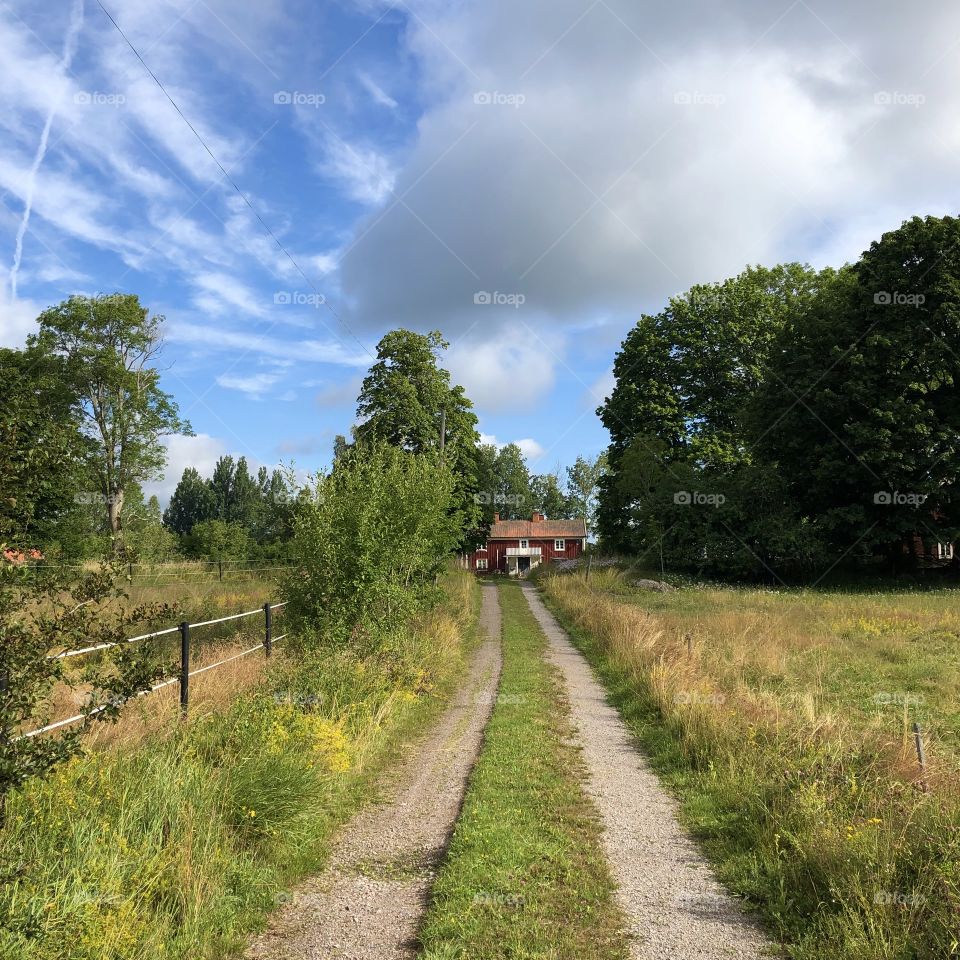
(368, 902)
(676, 908)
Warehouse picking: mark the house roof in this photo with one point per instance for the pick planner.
(537, 529)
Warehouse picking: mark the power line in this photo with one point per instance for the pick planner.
(230, 179)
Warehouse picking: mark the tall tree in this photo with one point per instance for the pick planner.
(41, 448)
(583, 486)
(244, 504)
(548, 497)
(192, 502)
(109, 343)
(407, 400)
(686, 376)
(512, 478)
(221, 485)
(861, 412)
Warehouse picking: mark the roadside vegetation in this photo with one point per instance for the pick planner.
(525, 874)
(783, 721)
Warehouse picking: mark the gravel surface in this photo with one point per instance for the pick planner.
(368, 902)
(676, 908)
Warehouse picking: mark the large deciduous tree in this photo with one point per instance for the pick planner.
(109, 343)
(193, 501)
(408, 401)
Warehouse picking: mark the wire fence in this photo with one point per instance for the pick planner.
(200, 571)
(185, 673)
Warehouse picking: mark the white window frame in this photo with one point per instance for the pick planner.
(560, 546)
(481, 563)
(524, 544)
(944, 551)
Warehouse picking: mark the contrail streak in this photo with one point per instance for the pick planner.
(69, 48)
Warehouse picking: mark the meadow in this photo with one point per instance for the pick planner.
(783, 722)
(174, 839)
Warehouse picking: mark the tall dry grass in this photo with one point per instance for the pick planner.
(815, 812)
(172, 838)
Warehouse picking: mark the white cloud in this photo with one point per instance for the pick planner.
(376, 91)
(532, 450)
(365, 173)
(18, 319)
(508, 371)
(253, 385)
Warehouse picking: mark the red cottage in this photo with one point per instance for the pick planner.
(515, 547)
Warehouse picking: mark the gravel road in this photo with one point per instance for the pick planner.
(368, 902)
(677, 910)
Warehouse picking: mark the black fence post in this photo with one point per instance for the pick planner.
(268, 627)
(184, 667)
(220, 565)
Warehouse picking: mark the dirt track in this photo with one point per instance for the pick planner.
(368, 902)
(676, 908)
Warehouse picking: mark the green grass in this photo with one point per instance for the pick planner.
(525, 876)
(805, 809)
(180, 847)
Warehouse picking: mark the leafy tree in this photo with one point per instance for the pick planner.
(43, 614)
(41, 449)
(216, 540)
(245, 503)
(407, 400)
(861, 411)
(109, 343)
(370, 538)
(583, 486)
(686, 377)
(221, 485)
(547, 497)
(193, 501)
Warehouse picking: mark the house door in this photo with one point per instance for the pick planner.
(523, 564)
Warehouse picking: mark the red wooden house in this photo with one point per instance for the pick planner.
(515, 547)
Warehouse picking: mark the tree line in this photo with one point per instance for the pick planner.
(789, 421)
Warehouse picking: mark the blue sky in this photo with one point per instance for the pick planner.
(527, 176)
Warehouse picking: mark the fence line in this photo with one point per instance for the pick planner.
(185, 672)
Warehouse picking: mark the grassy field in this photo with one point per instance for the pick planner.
(525, 877)
(782, 721)
(177, 844)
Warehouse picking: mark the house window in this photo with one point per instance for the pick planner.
(481, 563)
(944, 551)
(559, 546)
(524, 544)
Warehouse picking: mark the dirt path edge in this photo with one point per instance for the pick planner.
(368, 902)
